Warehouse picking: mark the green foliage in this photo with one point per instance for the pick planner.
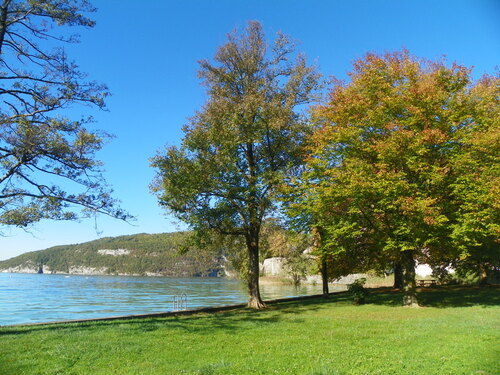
(476, 228)
(298, 266)
(388, 177)
(239, 146)
(275, 241)
(278, 241)
(358, 291)
(48, 165)
(469, 273)
(463, 277)
(158, 254)
(455, 334)
(232, 249)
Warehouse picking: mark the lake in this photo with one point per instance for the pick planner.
(33, 298)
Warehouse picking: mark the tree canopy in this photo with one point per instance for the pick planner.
(239, 146)
(404, 165)
(48, 168)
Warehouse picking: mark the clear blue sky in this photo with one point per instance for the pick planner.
(147, 53)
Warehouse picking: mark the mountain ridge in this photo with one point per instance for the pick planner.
(143, 254)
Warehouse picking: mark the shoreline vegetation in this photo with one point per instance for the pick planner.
(454, 333)
(153, 255)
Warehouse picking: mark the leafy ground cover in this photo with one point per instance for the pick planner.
(457, 332)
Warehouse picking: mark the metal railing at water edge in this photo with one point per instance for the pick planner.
(179, 302)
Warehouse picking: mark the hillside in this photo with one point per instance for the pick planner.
(139, 254)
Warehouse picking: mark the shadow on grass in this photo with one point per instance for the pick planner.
(461, 297)
(442, 296)
(202, 323)
(234, 321)
(231, 321)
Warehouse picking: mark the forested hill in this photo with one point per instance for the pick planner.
(139, 254)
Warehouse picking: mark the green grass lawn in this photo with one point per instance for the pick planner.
(457, 332)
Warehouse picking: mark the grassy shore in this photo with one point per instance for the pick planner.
(457, 332)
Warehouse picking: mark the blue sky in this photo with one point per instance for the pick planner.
(147, 53)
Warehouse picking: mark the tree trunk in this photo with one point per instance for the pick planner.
(255, 301)
(316, 235)
(409, 284)
(252, 235)
(324, 276)
(398, 275)
(483, 274)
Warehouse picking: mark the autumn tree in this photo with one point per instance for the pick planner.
(277, 240)
(237, 148)
(298, 207)
(476, 231)
(309, 210)
(48, 168)
(386, 176)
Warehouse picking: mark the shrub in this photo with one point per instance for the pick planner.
(358, 291)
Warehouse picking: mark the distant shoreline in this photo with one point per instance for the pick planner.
(263, 280)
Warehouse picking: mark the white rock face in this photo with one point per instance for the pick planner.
(21, 269)
(115, 253)
(87, 270)
(309, 250)
(152, 274)
(273, 266)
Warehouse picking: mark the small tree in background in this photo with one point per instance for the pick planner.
(239, 146)
(48, 168)
(276, 241)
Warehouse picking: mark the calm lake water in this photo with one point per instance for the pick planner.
(31, 298)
